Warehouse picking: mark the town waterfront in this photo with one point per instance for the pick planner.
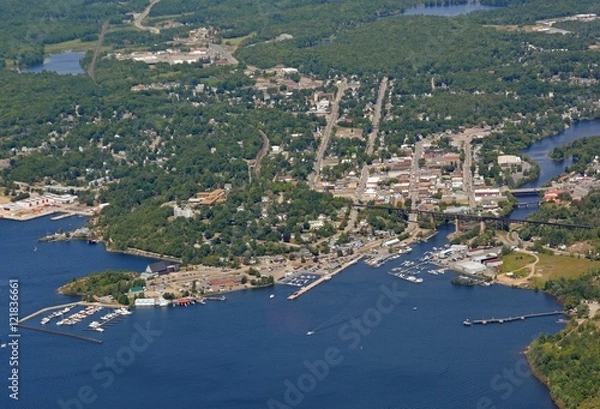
(389, 343)
(247, 350)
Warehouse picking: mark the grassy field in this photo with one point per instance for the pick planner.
(73, 45)
(516, 261)
(232, 44)
(552, 267)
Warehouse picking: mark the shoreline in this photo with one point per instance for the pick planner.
(131, 251)
(541, 378)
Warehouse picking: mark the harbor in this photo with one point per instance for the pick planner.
(59, 312)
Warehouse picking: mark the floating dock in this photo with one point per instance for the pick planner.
(511, 319)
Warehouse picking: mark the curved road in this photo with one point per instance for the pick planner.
(138, 18)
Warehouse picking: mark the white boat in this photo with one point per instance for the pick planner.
(45, 320)
(94, 324)
(61, 322)
(309, 333)
(327, 278)
(99, 329)
(123, 311)
(272, 296)
(410, 278)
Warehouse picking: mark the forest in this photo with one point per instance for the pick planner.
(146, 151)
(114, 283)
(569, 362)
(583, 153)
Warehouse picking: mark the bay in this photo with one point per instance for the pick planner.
(246, 351)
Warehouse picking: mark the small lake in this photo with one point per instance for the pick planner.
(447, 11)
(66, 63)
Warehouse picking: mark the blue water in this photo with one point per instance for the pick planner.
(63, 63)
(240, 353)
(447, 11)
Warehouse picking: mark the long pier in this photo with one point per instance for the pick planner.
(318, 281)
(64, 334)
(510, 319)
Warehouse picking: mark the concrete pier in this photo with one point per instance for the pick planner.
(320, 280)
(64, 334)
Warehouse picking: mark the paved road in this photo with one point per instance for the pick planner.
(467, 175)
(137, 19)
(364, 173)
(314, 176)
(224, 54)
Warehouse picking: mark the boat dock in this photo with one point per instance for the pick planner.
(72, 304)
(65, 334)
(511, 319)
(325, 277)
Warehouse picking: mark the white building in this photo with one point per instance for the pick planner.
(145, 302)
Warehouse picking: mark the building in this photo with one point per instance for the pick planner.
(161, 267)
(185, 211)
(136, 290)
(390, 243)
(509, 160)
(471, 267)
(210, 198)
(145, 302)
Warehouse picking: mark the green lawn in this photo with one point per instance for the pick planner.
(73, 45)
(516, 261)
(552, 267)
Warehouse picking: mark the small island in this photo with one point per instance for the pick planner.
(108, 285)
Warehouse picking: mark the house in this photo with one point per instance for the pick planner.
(136, 290)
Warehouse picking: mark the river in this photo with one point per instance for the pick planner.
(549, 168)
(378, 342)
